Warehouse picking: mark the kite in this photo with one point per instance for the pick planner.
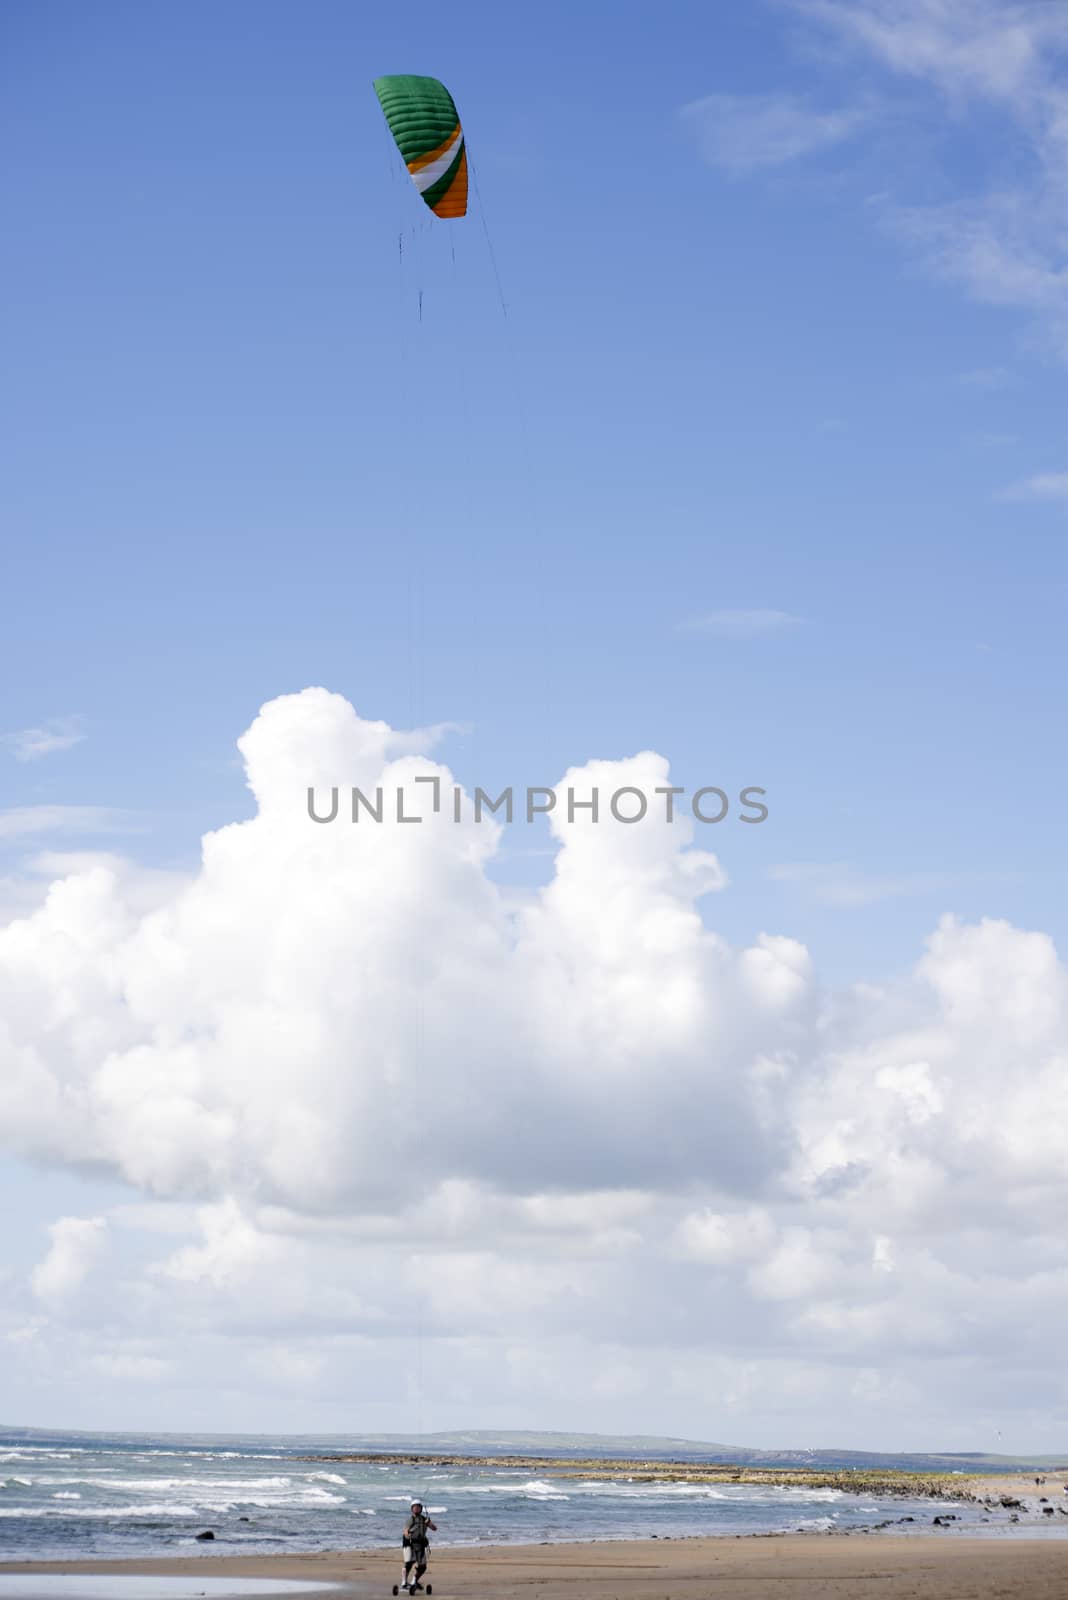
(423, 119)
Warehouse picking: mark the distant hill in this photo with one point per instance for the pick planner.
(530, 1442)
(489, 1442)
(482, 1441)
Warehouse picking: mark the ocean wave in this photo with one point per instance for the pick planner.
(49, 1480)
(660, 1491)
(191, 1453)
(192, 1483)
(194, 1501)
(109, 1513)
(50, 1450)
(740, 1493)
(310, 1500)
(796, 1492)
(32, 1453)
(472, 1488)
(328, 1477)
(539, 1489)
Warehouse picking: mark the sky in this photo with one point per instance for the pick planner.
(720, 444)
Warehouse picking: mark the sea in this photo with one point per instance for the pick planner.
(114, 1495)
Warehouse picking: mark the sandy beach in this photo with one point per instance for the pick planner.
(791, 1567)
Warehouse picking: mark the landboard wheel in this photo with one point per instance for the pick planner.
(396, 1590)
(430, 1588)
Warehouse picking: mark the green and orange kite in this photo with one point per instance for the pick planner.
(423, 119)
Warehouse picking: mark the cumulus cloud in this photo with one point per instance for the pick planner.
(265, 1027)
(365, 1097)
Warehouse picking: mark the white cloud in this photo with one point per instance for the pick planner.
(983, 47)
(742, 624)
(131, 1367)
(19, 821)
(744, 132)
(724, 1239)
(986, 379)
(1004, 243)
(76, 1244)
(882, 1255)
(795, 1269)
(30, 744)
(233, 1249)
(420, 741)
(274, 1013)
(840, 884)
(366, 1101)
(1042, 486)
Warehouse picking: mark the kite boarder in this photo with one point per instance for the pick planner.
(416, 1543)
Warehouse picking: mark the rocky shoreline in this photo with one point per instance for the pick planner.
(850, 1480)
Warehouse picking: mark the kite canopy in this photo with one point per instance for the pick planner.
(423, 119)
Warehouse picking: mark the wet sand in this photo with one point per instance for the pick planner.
(1053, 1489)
(858, 1566)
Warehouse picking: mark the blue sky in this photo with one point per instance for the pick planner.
(712, 392)
(760, 470)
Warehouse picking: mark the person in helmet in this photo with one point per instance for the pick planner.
(416, 1543)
